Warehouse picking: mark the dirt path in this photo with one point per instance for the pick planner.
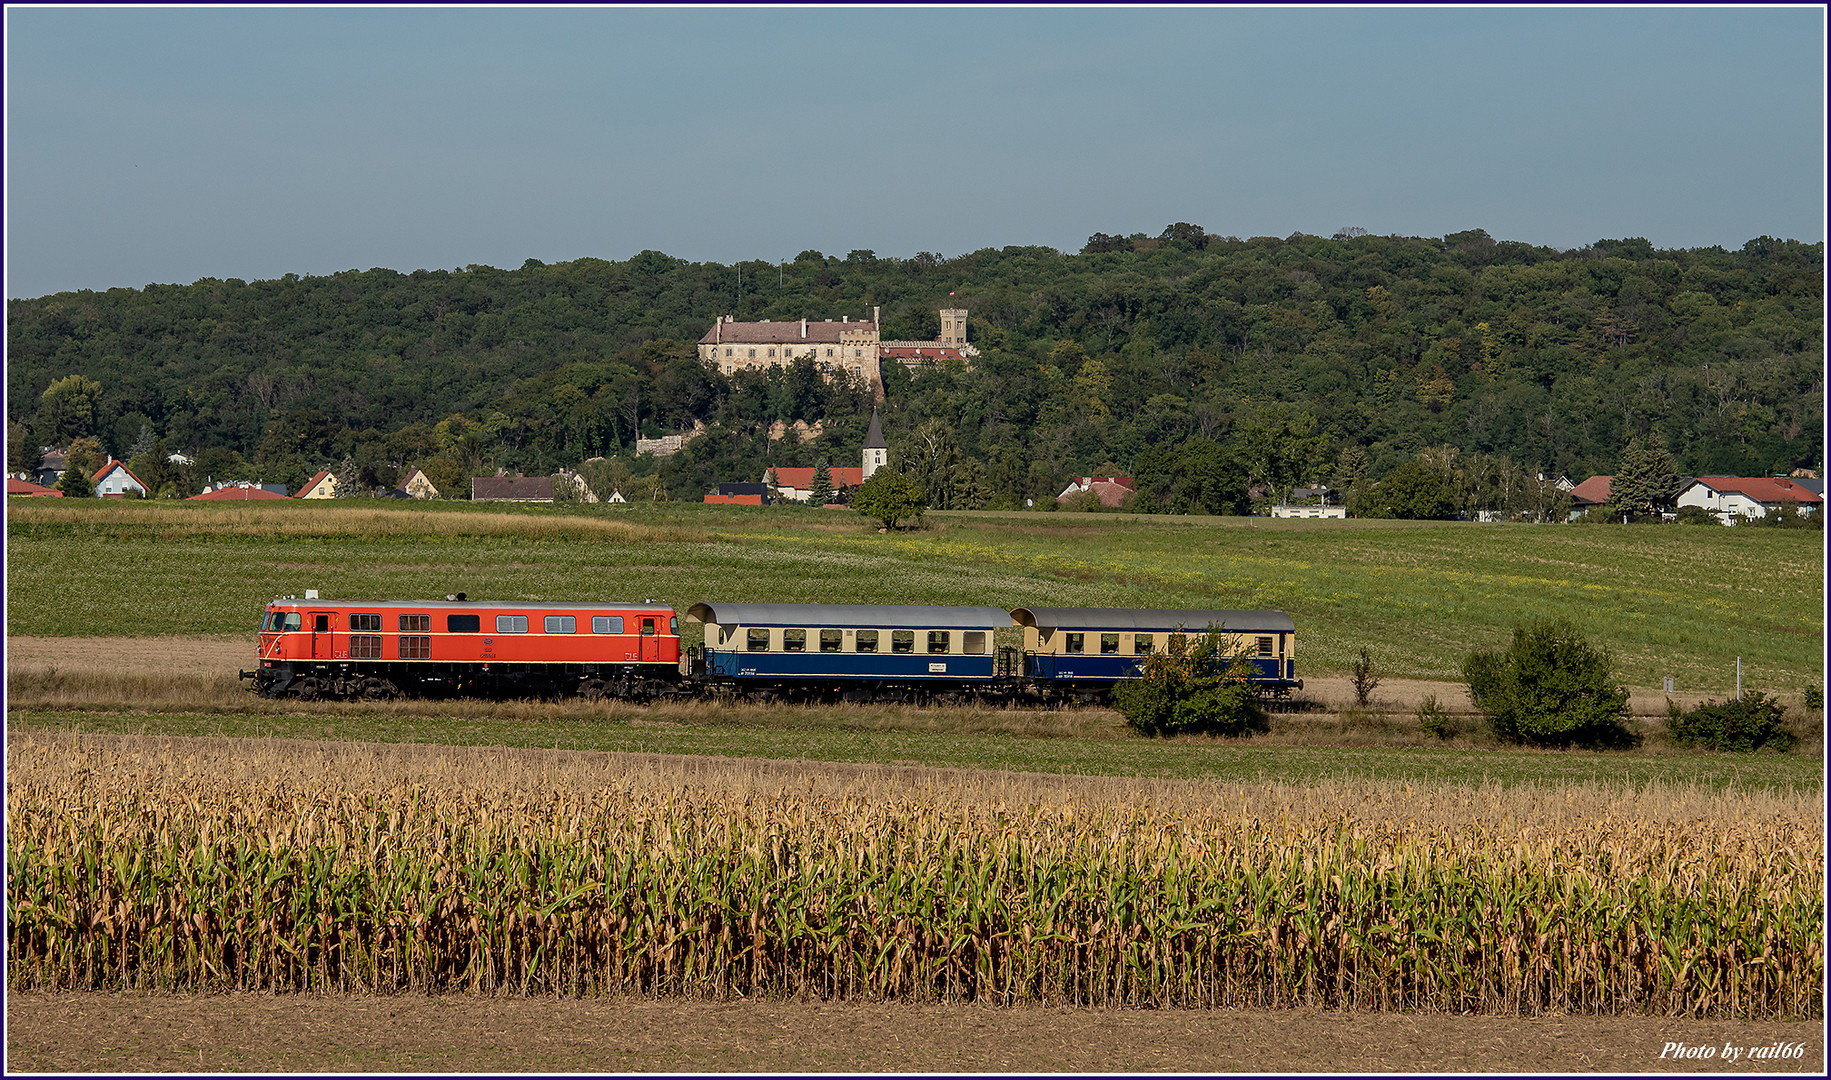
(97, 1032)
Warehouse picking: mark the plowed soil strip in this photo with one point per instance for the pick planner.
(152, 1032)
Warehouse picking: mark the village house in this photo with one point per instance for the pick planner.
(417, 486)
(321, 486)
(1734, 498)
(114, 480)
(511, 489)
(1111, 490)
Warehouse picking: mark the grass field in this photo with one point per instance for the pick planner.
(1670, 601)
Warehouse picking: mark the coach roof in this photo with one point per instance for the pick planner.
(1083, 618)
(836, 615)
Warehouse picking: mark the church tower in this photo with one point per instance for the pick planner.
(876, 454)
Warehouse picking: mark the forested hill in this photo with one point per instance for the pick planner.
(1393, 344)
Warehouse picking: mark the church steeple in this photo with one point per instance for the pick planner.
(876, 453)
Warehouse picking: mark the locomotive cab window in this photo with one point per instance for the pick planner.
(607, 624)
(321, 624)
(867, 641)
(364, 623)
(1077, 643)
(463, 624)
(648, 628)
(972, 642)
(1109, 644)
(511, 624)
(1268, 646)
(284, 620)
(1141, 643)
(939, 641)
(561, 624)
(794, 641)
(830, 640)
(902, 641)
(756, 640)
(674, 625)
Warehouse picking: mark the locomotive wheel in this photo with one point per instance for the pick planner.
(379, 689)
(592, 690)
(310, 690)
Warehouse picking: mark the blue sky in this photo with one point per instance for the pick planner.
(167, 145)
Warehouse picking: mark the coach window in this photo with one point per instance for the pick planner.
(1141, 643)
(1109, 644)
(867, 641)
(794, 641)
(463, 624)
(607, 624)
(902, 641)
(831, 640)
(1268, 646)
(1179, 642)
(511, 624)
(972, 643)
(560, 624)
(939, 641)
(1077, 643)
(757, 640)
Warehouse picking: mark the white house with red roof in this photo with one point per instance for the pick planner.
(1738, 497)
(114, 480)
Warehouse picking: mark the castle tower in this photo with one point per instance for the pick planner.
(876, 454)
(953, 327)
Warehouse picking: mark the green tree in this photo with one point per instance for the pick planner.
(1193, 687)
(74, 483)
(890, 497)
(1281, 449)
(1551, 687)
(1646, 480)
(69, 409)
(1412, 491)
(822, 492)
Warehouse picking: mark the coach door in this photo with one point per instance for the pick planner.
(324, 623)
(651, 641)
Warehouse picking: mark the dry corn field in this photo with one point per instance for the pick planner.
(206, 864)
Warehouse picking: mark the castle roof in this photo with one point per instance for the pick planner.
(798, 332)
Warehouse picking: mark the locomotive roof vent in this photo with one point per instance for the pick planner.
(311, 594)
(455, 596)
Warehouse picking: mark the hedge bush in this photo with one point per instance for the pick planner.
(1193, 688)
(1744, 726)
(1551, 687)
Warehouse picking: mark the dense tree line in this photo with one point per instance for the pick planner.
(1165, 355)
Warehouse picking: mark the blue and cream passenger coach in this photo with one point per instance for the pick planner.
(1096, 647)
(867, 649)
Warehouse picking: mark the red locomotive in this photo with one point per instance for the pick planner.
(376, 649)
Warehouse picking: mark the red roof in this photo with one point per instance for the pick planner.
(26, 487)
(894, 352)
(1591, 492)
(803, 479)
(236, 492)
(1762, 489)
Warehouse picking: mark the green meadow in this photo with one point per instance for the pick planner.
(1671, 601)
